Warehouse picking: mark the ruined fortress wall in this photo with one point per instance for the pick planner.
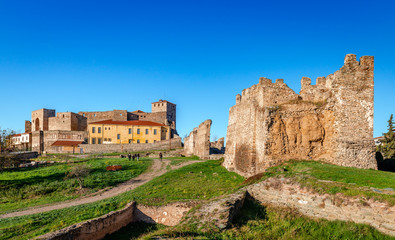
(115, 115)
(110, 148)
(332, 121)
(198, 141)
(67, 121)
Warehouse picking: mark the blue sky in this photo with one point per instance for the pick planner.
(104, 55)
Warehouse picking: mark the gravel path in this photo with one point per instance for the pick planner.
(158, 168)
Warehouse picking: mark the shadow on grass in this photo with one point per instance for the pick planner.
(387, 165)
(251, 210)
(133, 231)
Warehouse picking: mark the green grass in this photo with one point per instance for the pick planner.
(29, 187)
(337, 179)
(194, 182)
(199, 181)
(259, 222)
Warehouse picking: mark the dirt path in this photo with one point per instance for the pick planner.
(158, 168)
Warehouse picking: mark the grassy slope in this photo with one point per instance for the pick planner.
(259, 222)
(338, 179)
(197, 181)
(35, 186)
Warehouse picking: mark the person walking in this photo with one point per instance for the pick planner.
(160, 156)
(138, 156)
(134, 157)
(129, 156)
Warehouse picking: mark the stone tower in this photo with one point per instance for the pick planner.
(167, 107)
(330, 121)
(40, 120)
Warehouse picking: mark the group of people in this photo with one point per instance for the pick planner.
(137, 156)
(134, 156)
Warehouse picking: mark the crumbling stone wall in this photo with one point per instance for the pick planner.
(332, 121)
(218, 147)
(282, 192)
(198, 141)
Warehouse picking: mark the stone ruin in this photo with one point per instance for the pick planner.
(198, 142)
(331, 121)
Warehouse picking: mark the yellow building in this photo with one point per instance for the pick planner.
(125, 132)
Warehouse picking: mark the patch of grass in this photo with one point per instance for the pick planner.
(197, 181)
(194, 182)
(27, 187)
(258, 222)
(193, 157)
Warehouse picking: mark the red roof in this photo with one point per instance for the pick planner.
(67, 143)
(138, 111)
(134, 122)
(19, 134)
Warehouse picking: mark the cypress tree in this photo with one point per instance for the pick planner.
(388, 145)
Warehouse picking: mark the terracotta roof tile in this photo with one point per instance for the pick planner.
(67, 143)
(135, 123)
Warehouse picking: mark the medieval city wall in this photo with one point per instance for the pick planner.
(109, 148)
(67, 121)
(115, 115)
(332, 121)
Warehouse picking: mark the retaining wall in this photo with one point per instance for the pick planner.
(96, 228)
(283, 193)
(110, 148)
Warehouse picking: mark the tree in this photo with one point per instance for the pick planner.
(79, 172)
(388, 143)
(5, 138)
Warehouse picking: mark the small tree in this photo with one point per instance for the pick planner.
(388, 143)
(79, 172)
(5, 138)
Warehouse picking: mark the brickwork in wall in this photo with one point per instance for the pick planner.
(67, 121)
(332, 121)
(109, 148)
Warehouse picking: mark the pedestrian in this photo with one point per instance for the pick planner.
(129, 156)
(160, 156)
(134, 157)
(138, 156)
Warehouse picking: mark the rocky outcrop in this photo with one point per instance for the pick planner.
(331, 121)
(198, 141)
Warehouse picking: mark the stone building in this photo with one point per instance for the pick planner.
(55, 133)
(162, 111)
(330, 121)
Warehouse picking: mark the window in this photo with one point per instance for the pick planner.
(146, 131)
(99, 141)
(94, 115)
(138, 140)
(108, 128)
(154, 131)
(130, 140)
(146, 141)
(105, 139)
(138, 130)
(154, 141)
(93, 129)
(118, 136)
(93, 140)
(109, 140)
(130, 131)
(99, 130)
(120, 114)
